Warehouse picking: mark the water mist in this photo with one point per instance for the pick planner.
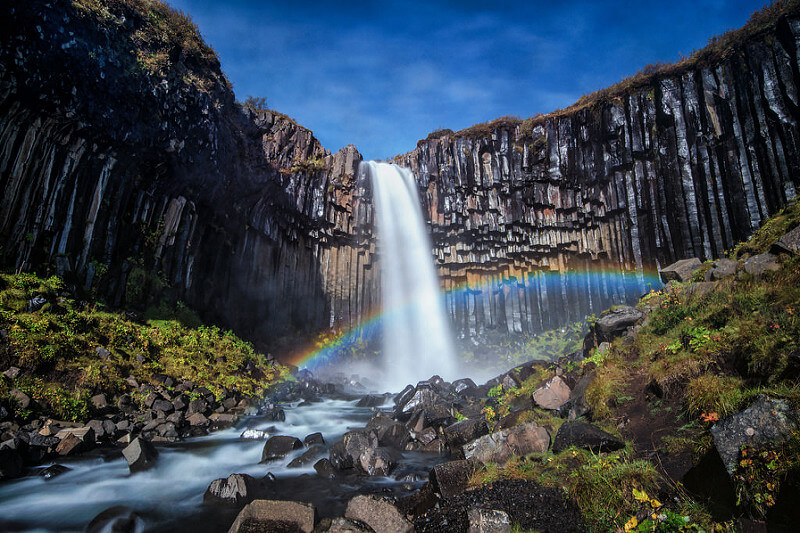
(417, 342)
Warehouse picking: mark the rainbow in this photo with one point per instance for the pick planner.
(328, 349)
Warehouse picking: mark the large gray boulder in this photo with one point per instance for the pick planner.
(378, 514)
(758, 265)
(788, 244)
(235, 490)
(274, 515)
(498, 447)
(682, 270)
(346, 453)
(723, 268)
(766, 420)
(140, 454)
(616, 322)
(458, 434)
(553, 394)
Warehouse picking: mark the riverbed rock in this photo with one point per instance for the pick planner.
(345, 453)
(53, 471)
(307, 457)
(70, 445)
(723, 268)
(117, 519)
(498, 447)
(198, 420)
(553, 394)
(378, 514)
(140, 454)
(681, 270)
(278, 446)
(766, 420)
(325, 468)
(313, 438)
(587, 436)
(234, 490)
(344, 525)
(380, 461)
(488, 521)
(452, 477)
(274, 515)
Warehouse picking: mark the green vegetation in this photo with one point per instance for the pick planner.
(69, 350)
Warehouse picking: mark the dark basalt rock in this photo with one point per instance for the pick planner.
(118, 519)
(313, 438)
(140, 454)
(616, 322)
(458, 434)
(451, 478)
(235, 490)
(584, 435)
(10, 464)
(53, 471)
(278, 446)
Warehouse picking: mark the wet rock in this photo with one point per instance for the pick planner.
(274, 414)
(235, 490)
(163, 405)
(255, 434)
(426, 436)
(278, 446)
(313, 438)
(788, 244)
(10, 464)
(222, 420)
(498, 447)
(274, 515)
(53, 471)
(394, 435)
(307, 457)
(723, 268)
(452, 477)
(377, 513)
(199, 406)
(553, 394)
(488, 521)
(325, 468)
(587, 436)
(117, 519)
(371, 401)
(464, 387)
(140, 454)
(766, 420)
(681, 270)
(378, 461)
(197, 419)
(345, 453)
(759, 264)
(458, 434)
(577, 406)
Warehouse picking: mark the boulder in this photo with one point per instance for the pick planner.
(140, 454)
(553, 394)
(788, 244)
(274, 515)
(577, 407)
(23, 400)
(378, 461)
(84, 433)
(498, 447)
(313, 438)
(616, 322)
(278, 446)
(722, 269)
(345, 453)
(458, 434)
(235, 490)
(255, 434)
(464, 387)
(394, 435)
(682, 270)
(766, 420)
(222, 420)
(198, 420)
(587, 436)
(99, 401)
(11, 372)
(325, 468)
(117, 519)
(488, 521)
(345, 525)
(423, 398)
(377, 513)
(53, 471)
(274, 413)
(70, 445)
(163, 405)
(307, 457)
(371, 401)
(452, 477)
(757, 265)
(10, 464)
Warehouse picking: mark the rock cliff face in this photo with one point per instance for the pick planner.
(126, 163)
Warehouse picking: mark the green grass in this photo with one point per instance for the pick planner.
(56, 348)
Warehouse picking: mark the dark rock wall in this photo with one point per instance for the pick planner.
(130, 181)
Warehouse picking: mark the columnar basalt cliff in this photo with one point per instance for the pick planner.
(126, 164)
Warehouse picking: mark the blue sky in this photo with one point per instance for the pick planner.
(382, 75)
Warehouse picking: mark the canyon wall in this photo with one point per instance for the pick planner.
(128, 167)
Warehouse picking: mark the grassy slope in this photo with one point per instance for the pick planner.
(709, 355)
(59, 349)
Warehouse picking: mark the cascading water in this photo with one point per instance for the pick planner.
(417, 342)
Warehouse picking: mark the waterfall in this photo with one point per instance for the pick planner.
(417, 342)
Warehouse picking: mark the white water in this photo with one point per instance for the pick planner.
(175, 486)
(417, 342)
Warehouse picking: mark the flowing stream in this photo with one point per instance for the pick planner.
(169, 497)
(417, 342)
